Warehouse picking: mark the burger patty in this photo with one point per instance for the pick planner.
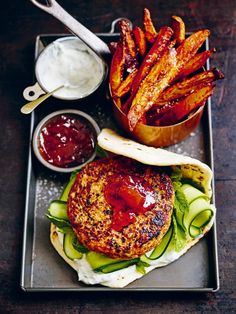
(96, 209)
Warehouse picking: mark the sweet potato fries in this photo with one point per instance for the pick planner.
(157, 77)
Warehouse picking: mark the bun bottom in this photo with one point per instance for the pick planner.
(54, 237)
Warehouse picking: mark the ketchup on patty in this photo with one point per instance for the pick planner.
(66, 141)
(128, 196)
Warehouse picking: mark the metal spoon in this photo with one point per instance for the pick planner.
(30, 106)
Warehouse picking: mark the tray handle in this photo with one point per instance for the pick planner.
(116, 22)
(33, 92)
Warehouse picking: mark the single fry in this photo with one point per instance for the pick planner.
(140, 40)
(162, 74)
(156, 112)
(196, 63)
(178, 26)
(125, 86)
(189, 47)
(153, 85)
(117, 67)
(157, 50)
(187, 86)
(150, 31)
(130, 47)
(183, 108)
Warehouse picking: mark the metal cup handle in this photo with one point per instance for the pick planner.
(33, 92)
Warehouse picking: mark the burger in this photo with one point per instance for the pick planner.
(134, 210)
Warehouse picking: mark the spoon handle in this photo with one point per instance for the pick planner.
(30, 106)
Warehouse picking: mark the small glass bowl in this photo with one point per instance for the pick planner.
(35, 141)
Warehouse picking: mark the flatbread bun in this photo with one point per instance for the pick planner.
(54, 237)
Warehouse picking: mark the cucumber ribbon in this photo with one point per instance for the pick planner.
(192, 212)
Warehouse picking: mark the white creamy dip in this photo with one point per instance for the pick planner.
(71, 63)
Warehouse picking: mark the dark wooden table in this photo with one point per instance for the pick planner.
(21, 22)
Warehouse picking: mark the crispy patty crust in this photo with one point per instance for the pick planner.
(91, 215)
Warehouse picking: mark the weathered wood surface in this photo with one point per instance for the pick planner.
(21, 22)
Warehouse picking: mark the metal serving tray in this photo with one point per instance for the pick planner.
(44, 270)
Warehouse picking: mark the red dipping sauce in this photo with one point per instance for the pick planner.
(129, 196)
(67, 141)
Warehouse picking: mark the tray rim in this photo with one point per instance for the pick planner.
(101, 288)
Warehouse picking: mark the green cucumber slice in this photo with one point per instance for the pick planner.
(191, 193)
(117, 266)
(105, 264)
(97, 260)
(202, 218)
(141, 265)
(78, 246)
(58, 209)
(159, 249)
(66, 191)
(60, 223)
(69, 250)
(194, 231)
(64, 229)
(145, 259)
(198, 216)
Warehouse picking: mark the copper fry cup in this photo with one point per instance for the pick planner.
(158, 136)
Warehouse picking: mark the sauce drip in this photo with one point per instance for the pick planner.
(66, 141)
(129, 196)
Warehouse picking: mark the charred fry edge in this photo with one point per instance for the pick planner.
(130, 47)
(178, 26)
(140, 40)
